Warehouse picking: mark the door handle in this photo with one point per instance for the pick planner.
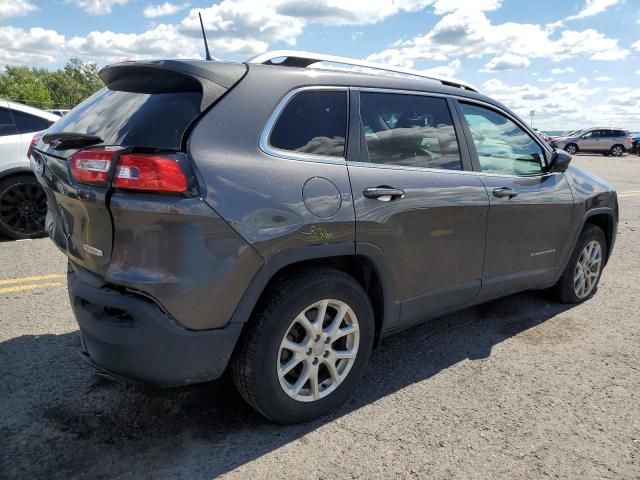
(384, 194)
(505, 192)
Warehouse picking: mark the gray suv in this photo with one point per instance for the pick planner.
(281, 220)
(608, 141)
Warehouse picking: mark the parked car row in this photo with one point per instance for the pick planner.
(608, 141)
(23, 203)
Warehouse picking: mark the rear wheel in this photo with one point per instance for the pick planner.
(571, 149)
(617, 150)
(580, 278)
(23, 207)
(307, 345)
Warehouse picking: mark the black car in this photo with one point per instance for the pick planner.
(281, 220)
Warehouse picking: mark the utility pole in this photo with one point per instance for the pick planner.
(531, 115)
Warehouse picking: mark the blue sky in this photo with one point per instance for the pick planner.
(575, 62)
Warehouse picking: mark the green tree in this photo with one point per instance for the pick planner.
(25, 85)
(63, 88)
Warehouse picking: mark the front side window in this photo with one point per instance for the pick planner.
(26, 123)
(313, 122)
(409, 130)
(502, 146)
(6, 123)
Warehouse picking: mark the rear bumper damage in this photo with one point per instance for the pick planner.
(128, 337)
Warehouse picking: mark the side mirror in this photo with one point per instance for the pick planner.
(559, 161)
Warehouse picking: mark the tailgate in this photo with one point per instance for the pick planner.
(146, 109)
(78, 220)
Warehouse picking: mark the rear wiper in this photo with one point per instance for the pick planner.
(67, 140)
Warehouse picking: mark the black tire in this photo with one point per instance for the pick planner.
(571, 149)
(23, 207)
(617, 151)
(564, 290)
(255, 360)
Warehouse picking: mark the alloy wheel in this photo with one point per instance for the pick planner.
(23, 207)
(571, 149)
(587, 269)
(318, 350)
(616, 151)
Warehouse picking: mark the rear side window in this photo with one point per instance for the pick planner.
(502, 146)
(6, 123)
(26, 123)
(313, 122)
(156, 120)
(409, 130)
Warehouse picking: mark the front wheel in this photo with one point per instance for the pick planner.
(580, 278)
(571, 149)
(306, 346)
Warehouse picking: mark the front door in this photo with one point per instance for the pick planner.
(530, 216)
(415, 202)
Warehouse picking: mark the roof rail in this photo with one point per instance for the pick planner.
(294, 58)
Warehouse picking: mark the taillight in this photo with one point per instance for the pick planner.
(149, 172)
(91, 166)
(134, 171)
(32, 145)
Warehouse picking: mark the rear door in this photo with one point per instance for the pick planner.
(416, 200)
(10, 148)
(27, 125)
(530, 216)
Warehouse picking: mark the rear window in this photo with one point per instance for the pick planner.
(314, 122)
(6, 123)
(156, 120)
(26, 123)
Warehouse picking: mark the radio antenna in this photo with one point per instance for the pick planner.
(204, 37)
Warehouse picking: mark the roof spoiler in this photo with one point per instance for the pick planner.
(164, 76)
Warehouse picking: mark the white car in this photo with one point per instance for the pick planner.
(23, 204)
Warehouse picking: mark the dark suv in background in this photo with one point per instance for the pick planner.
(283, 219)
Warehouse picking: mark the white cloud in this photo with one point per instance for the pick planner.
(97, 7)
(603, 78)
(508, 61)
(593, 7)
(448, 70)
(15, 8)
(546, 80)
(245, 27)
(33, 46)
(472, 34)
(163, 9)
(559, 70)
(636, 45)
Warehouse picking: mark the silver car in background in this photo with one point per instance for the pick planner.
(609, 141)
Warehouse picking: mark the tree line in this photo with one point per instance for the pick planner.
(42, 88)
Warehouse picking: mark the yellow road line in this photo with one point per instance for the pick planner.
(30, 279)
(22, 288)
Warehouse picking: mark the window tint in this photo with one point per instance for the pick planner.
(155, 120)
(409, 130)
(26, 123)
(502, 146)
(313, 122)
(6, 123)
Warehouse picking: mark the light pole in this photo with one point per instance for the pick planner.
(531, 115)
